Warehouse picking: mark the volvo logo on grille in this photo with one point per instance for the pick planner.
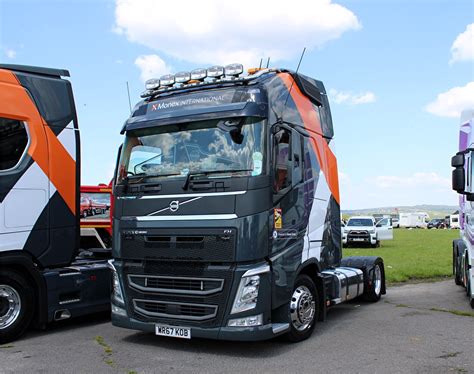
(174, 205)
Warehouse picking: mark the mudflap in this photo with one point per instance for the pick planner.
(366, 264)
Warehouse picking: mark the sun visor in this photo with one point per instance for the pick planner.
(196, 106)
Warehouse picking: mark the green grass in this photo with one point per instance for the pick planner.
(413, 254)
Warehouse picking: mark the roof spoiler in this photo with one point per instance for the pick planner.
(36, 70)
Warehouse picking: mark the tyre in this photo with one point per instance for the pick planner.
(345, 245)
(457, 277)
(303, 309)
(17, 302)
(374, 291)
(84, 214)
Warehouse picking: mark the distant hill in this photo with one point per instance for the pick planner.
(435, 211)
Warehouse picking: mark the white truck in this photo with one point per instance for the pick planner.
(365, 230)
(414, 220)
(463, 252)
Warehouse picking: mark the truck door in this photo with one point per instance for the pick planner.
(24, 184)
(384, 229)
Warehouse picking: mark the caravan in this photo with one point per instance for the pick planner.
(414, 220)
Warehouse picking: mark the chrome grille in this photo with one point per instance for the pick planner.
(175, 285)
(168, 309)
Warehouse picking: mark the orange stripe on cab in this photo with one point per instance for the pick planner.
(326, 158)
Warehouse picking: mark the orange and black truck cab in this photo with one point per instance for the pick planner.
(41, 276)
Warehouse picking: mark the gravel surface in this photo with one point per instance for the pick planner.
(399, 334)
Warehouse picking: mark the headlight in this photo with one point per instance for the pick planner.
(371, 231)
(247, 294)
(117, 294)
(346, 231)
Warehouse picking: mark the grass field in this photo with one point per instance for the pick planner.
(413, 254)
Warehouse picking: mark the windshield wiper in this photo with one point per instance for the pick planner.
(145, 175)
(204, 172)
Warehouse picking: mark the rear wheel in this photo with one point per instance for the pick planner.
(16, 305)
(457, 276)
(374, 291)
(303, 309)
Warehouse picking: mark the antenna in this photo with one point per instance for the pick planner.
(298, 68)
(129, 102)
(268, 62)
(260, 66)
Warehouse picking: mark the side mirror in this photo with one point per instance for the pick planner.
(458, 180)
(457, 161)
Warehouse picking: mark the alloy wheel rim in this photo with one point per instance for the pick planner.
(302, 308)
(378, 280)
(11, 302)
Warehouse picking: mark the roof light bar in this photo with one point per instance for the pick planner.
(152, 84)
(233, 70)
(167, 80)
(199, 74)
(182, 77)
(215, 71)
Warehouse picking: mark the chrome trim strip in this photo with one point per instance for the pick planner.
(194, 217)
(230, 193)
(173, 290)
(259, 270)
(175, 316)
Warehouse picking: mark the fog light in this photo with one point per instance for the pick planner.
(246, 321)
(118, 311)
(233, 69)
(199, 74)
(167, 80)
(182, 77)
(152, 84)
(215, 71)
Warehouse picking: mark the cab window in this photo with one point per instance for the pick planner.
(282, 160)
(13, 143)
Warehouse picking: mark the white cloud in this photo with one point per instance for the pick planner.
(396, 190)
(422, 179)
(10, 53)
(452, 102)
(224, 31)
(347, 97)
(151, 66)
(463, 47)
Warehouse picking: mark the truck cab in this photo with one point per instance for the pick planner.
(41, 276)
(462, 183)
(226, 220)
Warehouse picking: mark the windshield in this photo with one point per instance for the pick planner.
(360, 222)
(195, 147)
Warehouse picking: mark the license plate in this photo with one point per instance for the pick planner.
(358, 240)
(173, 331)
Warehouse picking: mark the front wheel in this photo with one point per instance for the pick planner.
(303, 309)
(16, 305)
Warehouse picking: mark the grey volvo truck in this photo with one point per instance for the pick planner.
(227, 222)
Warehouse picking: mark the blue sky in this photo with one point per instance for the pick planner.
(383, 62)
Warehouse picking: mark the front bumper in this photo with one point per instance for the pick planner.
(372, 239)
(264, 332)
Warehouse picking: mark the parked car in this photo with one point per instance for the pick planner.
(86, 207)
(364, 230)
(437, 223)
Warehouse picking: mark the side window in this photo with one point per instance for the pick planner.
(282, 160)
(311, 164)
(13, 143)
